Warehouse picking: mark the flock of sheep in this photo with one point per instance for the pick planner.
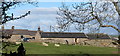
(45, 44)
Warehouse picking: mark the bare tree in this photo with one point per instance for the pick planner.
(5, 17)
(5, 6)
(90, 15)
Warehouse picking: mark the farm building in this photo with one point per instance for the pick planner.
(71, 37)
(16, 34)
(56, 37)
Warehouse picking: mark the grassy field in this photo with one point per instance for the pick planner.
(38, 48)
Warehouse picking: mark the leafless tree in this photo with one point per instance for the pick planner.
(5, 6)
(90, 15)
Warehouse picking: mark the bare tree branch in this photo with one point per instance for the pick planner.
(94, 13)
(117, 7)
(4, 17)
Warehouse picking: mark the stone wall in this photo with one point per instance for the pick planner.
(37, 36)
(99, 43)
(63, 40)
(15, 38)
(58, 40)
(82, 41)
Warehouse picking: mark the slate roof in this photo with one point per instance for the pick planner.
(18, 32)
(98, 36)
(32, 33)
(6, 32)
(62, 35)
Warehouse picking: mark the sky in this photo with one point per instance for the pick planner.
(44, 15)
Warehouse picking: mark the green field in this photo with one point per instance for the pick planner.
(38, 48)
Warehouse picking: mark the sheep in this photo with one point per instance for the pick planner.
(44, 44)
(17, 43)
(57, 45)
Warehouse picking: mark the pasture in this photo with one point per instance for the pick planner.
(38, 48)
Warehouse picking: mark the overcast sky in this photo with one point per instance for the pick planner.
(43, 16)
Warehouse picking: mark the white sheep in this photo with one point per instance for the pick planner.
(17, 43)
(44, 44)
(57, 45)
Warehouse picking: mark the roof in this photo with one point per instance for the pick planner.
(98, 36)
(62, 35)
(20, 32)
(6, 32)
(17, 32)
(32, 33)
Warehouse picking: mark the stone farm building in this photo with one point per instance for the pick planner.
(16, 34)
(56, 37)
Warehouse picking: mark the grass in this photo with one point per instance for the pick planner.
(38, 48)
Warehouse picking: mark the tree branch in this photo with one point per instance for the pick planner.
(117, 7)
(69, 17)
(11, 18)
(84, 21)
(111, 26)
